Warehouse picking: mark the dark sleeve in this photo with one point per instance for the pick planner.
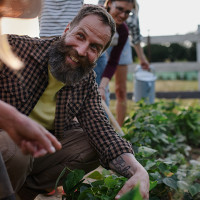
(116, 51)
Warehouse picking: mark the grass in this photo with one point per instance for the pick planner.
(160, 85)
(164, 85)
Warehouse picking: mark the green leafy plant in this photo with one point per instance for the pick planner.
(161, 134)
(104, 187)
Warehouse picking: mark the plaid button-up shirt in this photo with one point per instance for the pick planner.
(81, 100)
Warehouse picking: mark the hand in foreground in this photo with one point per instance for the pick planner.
(128, 166)
(31, 137)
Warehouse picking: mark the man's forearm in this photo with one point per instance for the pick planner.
(128, 166)
(123, 166)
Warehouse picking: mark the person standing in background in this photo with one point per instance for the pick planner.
(55, 15)
(125, 60)
(113, 53)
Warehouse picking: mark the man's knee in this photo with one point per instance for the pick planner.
(80, 154)
(76, 153)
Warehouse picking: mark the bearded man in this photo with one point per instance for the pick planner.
(56, 86)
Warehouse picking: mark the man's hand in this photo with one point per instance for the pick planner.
(31, 137)
(128, 166)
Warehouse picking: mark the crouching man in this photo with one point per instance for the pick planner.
(57, 85)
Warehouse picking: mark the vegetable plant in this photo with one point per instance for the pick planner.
(162, 135)
(104, 187)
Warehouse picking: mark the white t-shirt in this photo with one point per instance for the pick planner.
(56, 14)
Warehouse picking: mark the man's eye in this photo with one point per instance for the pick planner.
(94, 47)
(80, 35)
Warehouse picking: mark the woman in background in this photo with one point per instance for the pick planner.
(119, 65)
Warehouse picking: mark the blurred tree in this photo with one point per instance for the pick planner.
(174, 52)
(159, 53)
(192, 53)
(177, 52)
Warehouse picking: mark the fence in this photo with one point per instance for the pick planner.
(174, 66)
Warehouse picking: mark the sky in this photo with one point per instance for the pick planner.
(157, 17)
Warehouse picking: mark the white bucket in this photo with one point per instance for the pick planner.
(144, 84)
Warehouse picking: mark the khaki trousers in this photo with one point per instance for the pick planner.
(76, 153)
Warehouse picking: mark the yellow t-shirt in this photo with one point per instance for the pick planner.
(44, 110)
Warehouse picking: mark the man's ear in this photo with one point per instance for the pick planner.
(108, 4)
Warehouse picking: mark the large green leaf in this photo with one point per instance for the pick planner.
(163, 167)
(194, 189)
(156, 176)
(95, 175)
(150, 164)
(146, 151)
(170, 182)
(73, 178)
(183, 185)
(110, 182)
(153, 184)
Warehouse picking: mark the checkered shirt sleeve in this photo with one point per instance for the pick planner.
(102, 136)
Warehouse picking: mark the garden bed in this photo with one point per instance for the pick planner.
(166, 140)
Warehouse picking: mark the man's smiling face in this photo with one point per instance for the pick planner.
(79, 49)
(88, 38)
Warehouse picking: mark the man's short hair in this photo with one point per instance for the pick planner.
(104, 16)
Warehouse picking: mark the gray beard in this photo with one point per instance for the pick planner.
(67, 76)
(61, 70)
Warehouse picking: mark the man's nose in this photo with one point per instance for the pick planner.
(82, 49)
